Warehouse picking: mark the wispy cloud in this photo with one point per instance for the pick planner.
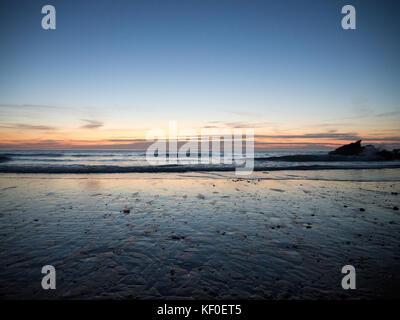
(127, 140)
(369, 114)
(92, 124)
(72, 144)
(388, 114)
(239, 124)
(324, 135)
(27, 127)
(333, 136)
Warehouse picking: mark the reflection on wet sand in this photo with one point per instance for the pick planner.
(210, 236)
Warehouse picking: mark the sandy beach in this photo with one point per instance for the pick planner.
(277, 235)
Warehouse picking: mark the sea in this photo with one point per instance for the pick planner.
(124, 161)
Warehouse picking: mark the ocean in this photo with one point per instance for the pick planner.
(124, 161)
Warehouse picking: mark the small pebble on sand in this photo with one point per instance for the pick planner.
(174, 236)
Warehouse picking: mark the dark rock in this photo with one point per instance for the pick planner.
(386, 155)
(368, 152)
(126, 211)
(349, 149)
(395, 208)
(362, 209)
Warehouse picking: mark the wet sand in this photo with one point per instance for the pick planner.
(283, 235)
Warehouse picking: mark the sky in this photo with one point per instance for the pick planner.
(113, 70)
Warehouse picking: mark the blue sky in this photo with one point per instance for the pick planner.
(285, 66)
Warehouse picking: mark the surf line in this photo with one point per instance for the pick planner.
(237, 146)
(169, 310)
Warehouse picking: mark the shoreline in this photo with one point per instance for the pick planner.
(82, 169)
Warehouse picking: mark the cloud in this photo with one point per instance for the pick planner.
(388, 114)
(92, 124)
(127, 140)
(44, 144)
(72, 144)
(368, 114)
(324, 135)
(295, 145)
(392, 139)
(331, 135)
(239, 124)
(27, 127)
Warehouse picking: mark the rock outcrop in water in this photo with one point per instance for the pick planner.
(351, 149)
(355, 149)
